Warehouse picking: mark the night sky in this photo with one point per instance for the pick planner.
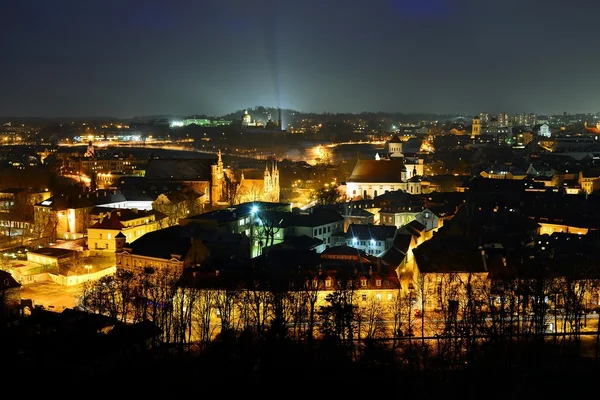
(127, 58)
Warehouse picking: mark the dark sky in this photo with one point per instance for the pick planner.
(142, 57)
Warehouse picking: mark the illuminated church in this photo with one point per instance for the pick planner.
(394, 171)
(252, 184)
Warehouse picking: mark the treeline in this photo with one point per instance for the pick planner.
(449, 321)
(261, 328)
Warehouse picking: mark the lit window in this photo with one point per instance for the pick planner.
(363, 282)
(378, 296)
(378, 282)
(109, 236)
(390, 297)
(328, 283)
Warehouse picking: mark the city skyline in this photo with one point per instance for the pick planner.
(437, 56)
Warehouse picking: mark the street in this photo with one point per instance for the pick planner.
(52, 296)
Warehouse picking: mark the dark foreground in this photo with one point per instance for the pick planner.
(275, 367)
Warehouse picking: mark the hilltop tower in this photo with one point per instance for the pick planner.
(279, 119)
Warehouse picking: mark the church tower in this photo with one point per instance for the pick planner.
(275, 179)
(90, 149)
(476, 128)
(216, 189)
(271, 184)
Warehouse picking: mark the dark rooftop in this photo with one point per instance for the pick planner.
(388, 171)
(180, 169)
(83, 200)
(369, 231)
(54, 252)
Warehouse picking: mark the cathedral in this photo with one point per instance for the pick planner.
(394, 171)
(252, 184)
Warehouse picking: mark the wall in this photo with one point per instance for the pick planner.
(357, 189)
(547, 228)
(72, 280)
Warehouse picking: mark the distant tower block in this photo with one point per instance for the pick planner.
(476, 128)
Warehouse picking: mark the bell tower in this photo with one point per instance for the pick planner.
(476, 127)
(216, 189)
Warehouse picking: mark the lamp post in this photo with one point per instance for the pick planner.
(253, 212)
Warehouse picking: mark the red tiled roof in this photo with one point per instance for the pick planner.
(378, 171)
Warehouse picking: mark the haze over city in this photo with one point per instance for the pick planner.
(127, 58)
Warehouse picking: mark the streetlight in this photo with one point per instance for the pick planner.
(253, 212)
(88, 268)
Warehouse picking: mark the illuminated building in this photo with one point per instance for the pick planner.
(131, 224)
(68, 216)
(372, 239)
(217, 184)
(476, 127)
(11, 295)
(371, 178)
(181, 246)
(543, 130)
(247, 120)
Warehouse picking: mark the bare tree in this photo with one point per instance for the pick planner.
(310, 296)
(399, 311)
(231, 192)
(204, 311)
(372, 317)
(266, 226)
(225, 302)
(338, 317)
(423, 284)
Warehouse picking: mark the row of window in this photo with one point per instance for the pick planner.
(327, 229)
(372, 243)
(363, 282)
(390, 297)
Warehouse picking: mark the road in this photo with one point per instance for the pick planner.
(52, 296)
